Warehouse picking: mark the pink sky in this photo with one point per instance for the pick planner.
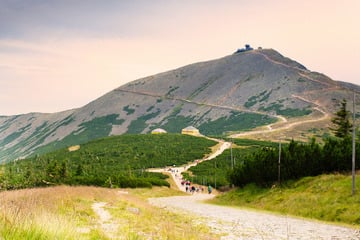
(62, 55)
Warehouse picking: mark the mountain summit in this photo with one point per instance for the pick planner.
(239, 92)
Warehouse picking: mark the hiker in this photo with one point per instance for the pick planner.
(209, 189)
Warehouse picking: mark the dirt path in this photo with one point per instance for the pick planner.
(177, 173)
(234, 223)
(107, 225)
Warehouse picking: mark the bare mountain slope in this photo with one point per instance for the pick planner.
(239, 92)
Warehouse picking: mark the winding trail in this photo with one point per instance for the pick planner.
(236, 223)
(176, 172)
(288, 125)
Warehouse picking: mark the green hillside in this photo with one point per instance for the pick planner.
(113, 161)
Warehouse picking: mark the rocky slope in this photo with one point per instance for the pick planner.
(231, 94)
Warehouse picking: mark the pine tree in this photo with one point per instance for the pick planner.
(343, 127)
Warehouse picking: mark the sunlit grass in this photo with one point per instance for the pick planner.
(33, 214)
(326, 198)
(66, 213)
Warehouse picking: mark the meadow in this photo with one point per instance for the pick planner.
(64, 212)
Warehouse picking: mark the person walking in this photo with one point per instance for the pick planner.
(209, 189)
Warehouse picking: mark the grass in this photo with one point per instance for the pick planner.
(28, 214)
(64, 212)
(326, 197)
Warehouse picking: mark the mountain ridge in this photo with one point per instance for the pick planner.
(238, 92)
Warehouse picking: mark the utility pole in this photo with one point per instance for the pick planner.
(279, 163)
(231, 156)
(215, 173)
(353, 148)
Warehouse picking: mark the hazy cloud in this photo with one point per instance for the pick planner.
(73, 51)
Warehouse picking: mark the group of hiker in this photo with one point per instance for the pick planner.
(188, 186)
(192, 189)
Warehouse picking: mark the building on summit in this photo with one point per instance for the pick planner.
(190, 130)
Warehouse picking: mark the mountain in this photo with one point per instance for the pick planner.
(239, 92)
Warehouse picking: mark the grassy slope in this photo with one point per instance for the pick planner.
(326, 197)
(65, 213)
(121, 159)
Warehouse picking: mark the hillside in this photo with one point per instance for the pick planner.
(235, 93)
(116, 161)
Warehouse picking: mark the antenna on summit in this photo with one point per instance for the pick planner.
(247, 48)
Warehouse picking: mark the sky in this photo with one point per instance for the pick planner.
(57, 55)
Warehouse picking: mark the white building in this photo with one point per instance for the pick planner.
(158, 131)
(190, 130)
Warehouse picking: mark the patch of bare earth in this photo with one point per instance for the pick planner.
(108, 226)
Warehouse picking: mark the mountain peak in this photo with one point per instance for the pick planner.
(242, 91)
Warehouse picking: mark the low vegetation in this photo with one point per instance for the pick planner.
(96, 128)
(118, 161)
(261, 97)
(279, 109)
(138, 125)
(251, 161)
(237, 121)
(216, 172)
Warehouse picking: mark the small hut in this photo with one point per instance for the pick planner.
(190, 130)
(158, 131)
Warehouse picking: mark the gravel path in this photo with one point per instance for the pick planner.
(236, 223)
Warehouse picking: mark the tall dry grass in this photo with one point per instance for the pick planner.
(65, 212)
(45, 213)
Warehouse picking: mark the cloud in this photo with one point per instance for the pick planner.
(34, 18)
(73, 52)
